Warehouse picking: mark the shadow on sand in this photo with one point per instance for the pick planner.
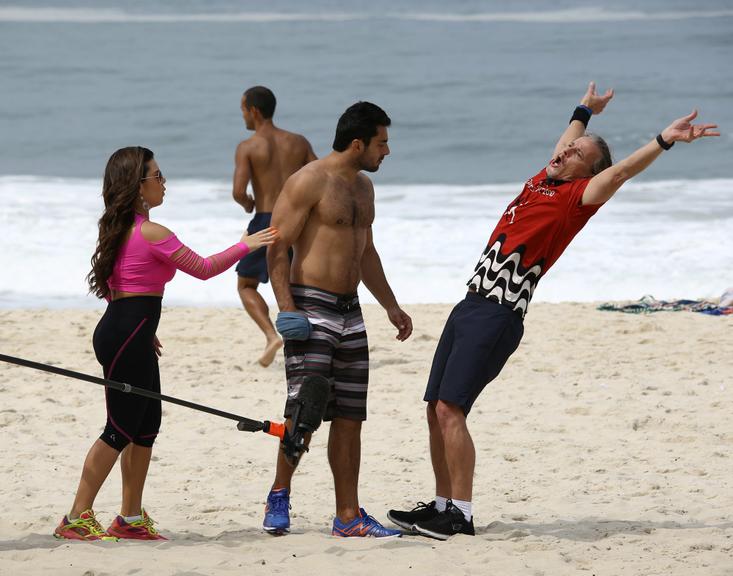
(585, 530)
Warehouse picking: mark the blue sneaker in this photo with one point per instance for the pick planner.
(362, 526)
(277, 512)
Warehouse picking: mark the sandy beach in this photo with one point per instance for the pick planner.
(604, 448)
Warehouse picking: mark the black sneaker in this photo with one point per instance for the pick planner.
(420, 513)
(445, 524)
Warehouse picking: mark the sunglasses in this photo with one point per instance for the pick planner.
(159, 176)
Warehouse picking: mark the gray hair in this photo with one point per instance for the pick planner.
(605, 160)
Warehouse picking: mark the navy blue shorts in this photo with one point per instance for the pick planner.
(254, 264)
(477, 340)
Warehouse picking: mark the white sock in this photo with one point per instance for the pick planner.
(131, 519)
(440, 503)
(464, 507)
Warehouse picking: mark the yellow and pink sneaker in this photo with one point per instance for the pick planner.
(138, 530)
(85, 527)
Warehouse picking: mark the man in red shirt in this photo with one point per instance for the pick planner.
(483, 330)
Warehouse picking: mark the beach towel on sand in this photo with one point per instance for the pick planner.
(650, 304)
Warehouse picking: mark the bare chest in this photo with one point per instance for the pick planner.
(351, 207)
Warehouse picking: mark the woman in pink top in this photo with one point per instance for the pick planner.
(133, 261)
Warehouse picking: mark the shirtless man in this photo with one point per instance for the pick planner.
(325, 212)
(267, 159)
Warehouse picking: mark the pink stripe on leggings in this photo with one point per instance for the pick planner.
(111, 369)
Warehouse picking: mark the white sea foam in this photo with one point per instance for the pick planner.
(669, 239)
(103, 16)
(566, 16)
(570, 16)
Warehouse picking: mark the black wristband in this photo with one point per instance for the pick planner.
(664, 144)
(581, 113)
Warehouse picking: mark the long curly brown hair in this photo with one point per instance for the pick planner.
(120, 191)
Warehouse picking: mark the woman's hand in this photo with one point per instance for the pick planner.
(265, 237)
(157, 346)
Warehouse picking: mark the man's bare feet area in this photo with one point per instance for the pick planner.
(270, 350)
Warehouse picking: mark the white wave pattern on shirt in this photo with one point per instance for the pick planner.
(514, 259)
(503, 279)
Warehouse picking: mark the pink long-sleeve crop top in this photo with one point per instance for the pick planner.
(143, 266)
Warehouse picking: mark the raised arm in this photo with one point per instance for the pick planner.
(298, 196)
(591, 103)
(372, 274)
(167, 247)
(604, 185)
(242, 176)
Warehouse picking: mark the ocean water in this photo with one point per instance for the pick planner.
(478, 93)
(657, 238)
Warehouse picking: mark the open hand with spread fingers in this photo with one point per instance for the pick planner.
(682, 130)
(594, 101)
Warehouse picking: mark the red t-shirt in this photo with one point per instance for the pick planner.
(529, 238)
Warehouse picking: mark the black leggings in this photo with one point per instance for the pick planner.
(123, 343)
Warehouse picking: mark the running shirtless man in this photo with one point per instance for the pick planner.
(326, 212)
(266, 159)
